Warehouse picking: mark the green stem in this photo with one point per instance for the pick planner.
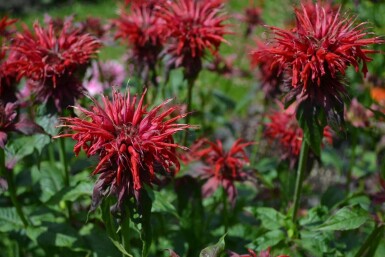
(8, 174)
(300, 175)
(64, 161)
(225, 213)
(371, 243)
(190, 85)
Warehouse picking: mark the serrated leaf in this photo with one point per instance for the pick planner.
(271, 219)
(49, 123)
(51, 180)
(57, 235)
(9, 220)
(162, 204)
(346, 218)
(214, 250)
(71, 193)
(23, 146)
(269, 239)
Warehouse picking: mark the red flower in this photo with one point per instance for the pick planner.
(194, 27)
(269, 72)
(221, 167)
(254, 254)
(284, 129)
(134, 145)
(50, 58)
(141, 29)
(317, 52)
(252, 16)
(7, 78)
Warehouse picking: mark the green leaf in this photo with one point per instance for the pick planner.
(214, 250)
(49, 123)
(162, 203)
(51, 180)
(227, 101)
(71, 193)
(111, 227)
(9, 220)
(346, 218)
(58, 235)
(269, 239)
(271, 219)
(22, 146)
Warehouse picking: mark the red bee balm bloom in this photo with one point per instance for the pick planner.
(193, 26)
(221, 167)
(133, 144)
(269, 73)
(284, 128)
(317, 52)
(48, 56)
(142, 30)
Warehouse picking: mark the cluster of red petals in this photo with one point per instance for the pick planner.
(221, 167)
(252, 16)
(7, 72)
(133, 144)
(50, 59)
(284, 129)
(5, 22)
(318, 50)
(194, 26)
(140, 26)
(269, 73)
(142, 29)
(47, 55)
(254, 254)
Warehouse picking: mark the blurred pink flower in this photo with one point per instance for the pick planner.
(103, 75)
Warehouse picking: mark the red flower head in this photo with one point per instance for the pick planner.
(254, 254)
(252, 16)
(316, 54)
(134, 145)
(221, 167)
(194, 27)
(269, 73)
(7, 78)
(142, 30)
(7, 72)
(50, 59)
(284, 129)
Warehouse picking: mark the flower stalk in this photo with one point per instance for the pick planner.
(190, 85)
(300, 175)
(63, 160)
